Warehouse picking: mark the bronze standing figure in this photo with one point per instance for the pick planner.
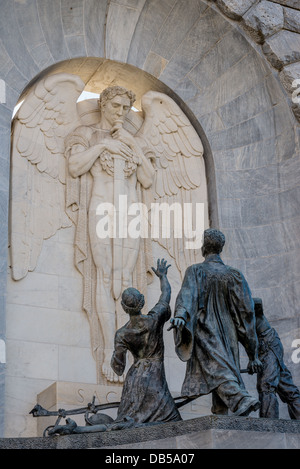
(214, 311)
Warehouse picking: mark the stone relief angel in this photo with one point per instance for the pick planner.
(68, 157)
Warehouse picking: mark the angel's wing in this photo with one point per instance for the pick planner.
(47, 115)
(180, 176)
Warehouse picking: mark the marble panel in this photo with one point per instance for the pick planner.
(50, 19)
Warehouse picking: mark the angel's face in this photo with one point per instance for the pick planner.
(115, 110)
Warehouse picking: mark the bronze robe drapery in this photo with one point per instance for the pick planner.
(216, 303)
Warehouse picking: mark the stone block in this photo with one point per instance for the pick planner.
(32, 360)
(235, 9)
(177, 25)
(237, 80)
(245, 133)
(122, 19)
(186, 89)
(71, 395)
(71, 362)
(264, 19)
(29, 24)
(282, 48)
(288, 76)
(72, 17)
(14, 43)
(155, 64)
(211, 122)
(212, 65)
(50, 19)
(42, 56)
(290, 79)
(148, 27)
(202, 37)
(76, 46)
(94, 27)
(280, 303)
(69, 328)
(269, 272)
(285, 145)
(289, 173)
(289, 3)
(6, 62)
(16, 80)
(36, 289)
(244, 184)
(254, 210)
(230, 213)
(291, 19)
(246, 106)
(254, 155)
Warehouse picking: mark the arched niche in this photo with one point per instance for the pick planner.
(47, 302)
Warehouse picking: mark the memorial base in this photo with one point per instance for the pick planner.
(209, 432)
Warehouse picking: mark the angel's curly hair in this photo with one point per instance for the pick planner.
(112, 91)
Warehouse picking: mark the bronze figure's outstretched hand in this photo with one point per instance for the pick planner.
(162, 268)
(177, 323)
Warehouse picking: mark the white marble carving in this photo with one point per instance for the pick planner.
(69, 158)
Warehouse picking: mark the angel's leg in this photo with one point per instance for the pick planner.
(106, 313)
(130, 255)
(105, 304)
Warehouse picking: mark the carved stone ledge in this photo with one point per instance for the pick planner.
(200, 433)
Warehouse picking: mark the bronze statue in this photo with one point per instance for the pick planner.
(214, 311)
(275, 377)
(145, 397)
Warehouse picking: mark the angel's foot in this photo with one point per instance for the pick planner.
(107, 370)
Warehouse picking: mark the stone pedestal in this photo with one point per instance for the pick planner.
(67, 395)
(209, 432)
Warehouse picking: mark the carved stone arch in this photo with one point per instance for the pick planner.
(97, 74)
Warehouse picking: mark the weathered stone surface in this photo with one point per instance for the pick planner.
(122, 18)
(150, 22)
(16, 47)
(289, 3)
(288, 75)
(283, 48)
(264, 19)
(94, 16)
(155, 64)
(235, 9)
(292, 19)
(181, 19)
(212, 65)
(50, 19)
(202, 37)
(72, 17)
(246, 106)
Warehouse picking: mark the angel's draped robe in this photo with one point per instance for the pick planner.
(216, 303)
(145, 397)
